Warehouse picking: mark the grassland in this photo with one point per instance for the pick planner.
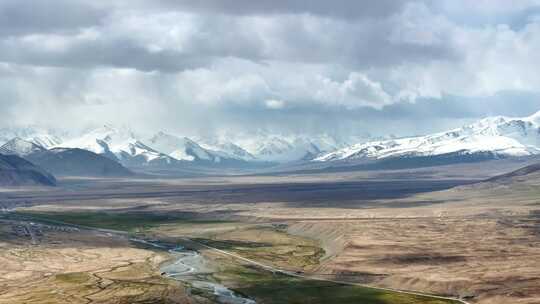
(82, 267)
(386, 228)
(269, 288)
(123, 221)
(271, 245)
(264, 243)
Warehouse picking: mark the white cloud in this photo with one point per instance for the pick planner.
(494, 59)
(355, 91)
(145, 63)
(274, 104)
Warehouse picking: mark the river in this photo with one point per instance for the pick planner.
(187, 265)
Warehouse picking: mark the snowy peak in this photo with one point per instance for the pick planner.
(168, 143)
(499, 135)
(535, 118)
(135, 149)
(40, 136)
(276, 148)
(46, 140)
(226, 149)
(233, 150)
(20, 147)
(262, 146)
(118, 144)
(97, 141)
(185, 149)
(273, 146)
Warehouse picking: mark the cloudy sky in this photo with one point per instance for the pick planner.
(288, 66)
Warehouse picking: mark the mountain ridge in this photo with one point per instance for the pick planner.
(488, 138)
(16, 171)
(65, 161)
(503, 136)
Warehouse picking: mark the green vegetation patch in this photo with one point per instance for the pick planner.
(275, 247)
(268, 288)
(125, 221)
(270, 246)
(74, 277)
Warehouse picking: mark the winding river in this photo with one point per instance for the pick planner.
(185, 267)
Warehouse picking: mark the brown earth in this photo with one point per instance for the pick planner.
(480, 241)
(81, 267)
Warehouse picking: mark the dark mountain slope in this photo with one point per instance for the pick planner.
(528, 172)
(16, 171)
(78, 162)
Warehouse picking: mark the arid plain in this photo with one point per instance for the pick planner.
(437, 231)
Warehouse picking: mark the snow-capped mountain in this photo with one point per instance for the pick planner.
(501, 136)
(300, 149)
(261, 147)
(186, 149)
(119, 144)
(278, 148)
(20, 147)
(271, 148)
(131, 149)
(64, 161)
(224, 146)
(487, 138)
(40, 136)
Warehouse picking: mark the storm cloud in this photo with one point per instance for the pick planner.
(287, 66)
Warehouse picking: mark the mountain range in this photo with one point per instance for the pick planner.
(489, 138)
(492, 137)
(65, 161)
(165, 149)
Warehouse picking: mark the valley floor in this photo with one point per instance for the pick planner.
(476, 242)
